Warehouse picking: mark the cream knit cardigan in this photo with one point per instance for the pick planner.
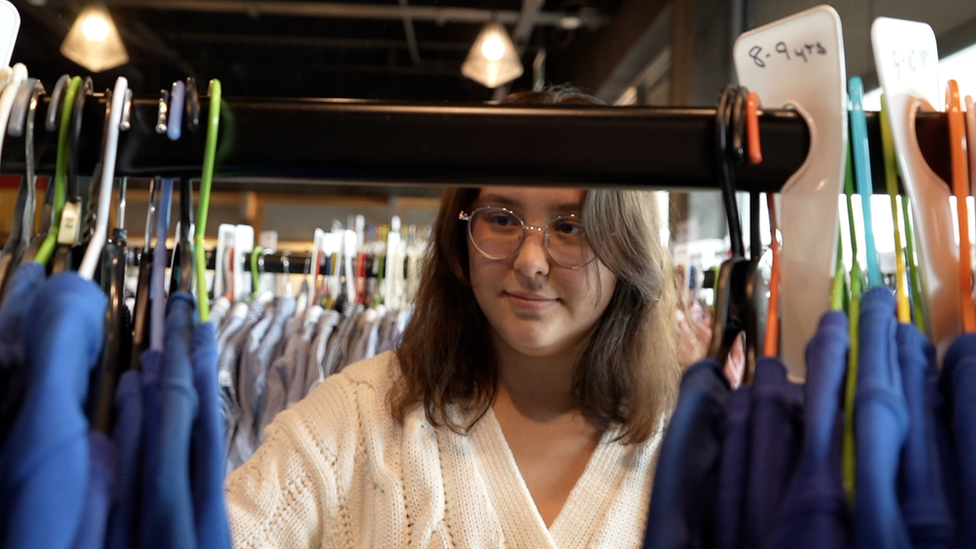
(336, 470)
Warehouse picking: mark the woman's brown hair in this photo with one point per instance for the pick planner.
(626, 377)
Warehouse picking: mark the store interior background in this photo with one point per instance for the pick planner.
(626, 52)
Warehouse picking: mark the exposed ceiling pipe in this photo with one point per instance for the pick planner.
(437, 14)
(527, 21)
(408, 30)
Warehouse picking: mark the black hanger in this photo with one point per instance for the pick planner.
(140, 313)
(182, 273)
(22, 226)
(117, 336)
(735, 288)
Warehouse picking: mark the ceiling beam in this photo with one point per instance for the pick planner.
(437, 14)
(310, 41)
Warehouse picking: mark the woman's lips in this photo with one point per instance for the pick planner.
(530, 302)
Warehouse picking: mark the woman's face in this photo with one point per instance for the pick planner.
(534, 305)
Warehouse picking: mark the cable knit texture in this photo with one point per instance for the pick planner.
(337, 471)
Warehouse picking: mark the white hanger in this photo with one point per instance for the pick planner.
(18, 76)
(907, 60)
(799, 62)
(97, 241)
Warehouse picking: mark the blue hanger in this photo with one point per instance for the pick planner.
(862, 173)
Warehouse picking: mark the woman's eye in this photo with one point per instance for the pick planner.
(568, 228)
(501, 220)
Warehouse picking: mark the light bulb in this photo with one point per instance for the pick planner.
(493, 48)
(95, 28)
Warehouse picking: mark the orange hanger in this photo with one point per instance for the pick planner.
(960, 188)
(752, 128)
(771, 345)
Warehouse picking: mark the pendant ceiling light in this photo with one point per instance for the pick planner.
(94, 42)
(493, 60)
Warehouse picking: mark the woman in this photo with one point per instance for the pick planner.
(525, 404)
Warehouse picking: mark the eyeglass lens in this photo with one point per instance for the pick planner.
(498, 234)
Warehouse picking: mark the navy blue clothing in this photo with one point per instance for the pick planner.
(733, 471)
(104, 460)
(682, 509)
(815, 513)
(958, 385)
(880, 426)
(44, 465)
(208, 454)
(167, 514)
(21, 289)
(923, 503)
(776, 437)
(128, 439)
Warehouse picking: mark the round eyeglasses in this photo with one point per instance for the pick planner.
(498, 233)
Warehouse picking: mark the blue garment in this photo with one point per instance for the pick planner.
(21, 289)
(128, 438)
(44, 465)
(733, 470)
(208, 451)
(167, 512)
(682, 509)
(104, 460)
(815, 513)
(776, 438)
(923, 503)
(958, 385)
(880, 426)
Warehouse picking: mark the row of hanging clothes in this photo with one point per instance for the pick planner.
(275, 346)
(872, 445)
(110, 421)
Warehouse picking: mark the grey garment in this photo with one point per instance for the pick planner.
(315, 357)
(229, 374)
(300, 379)
(282, 369)
(260, 346)
(219, 310)
(339, 345)
(360, 339)
(387, 335)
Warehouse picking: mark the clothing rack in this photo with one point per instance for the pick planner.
(302, 145)
(275, 262)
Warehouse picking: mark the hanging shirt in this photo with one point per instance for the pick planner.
(229, 377)
(815, 513)
(923, 502)
(776, 436)
(207, 450)
(128, 439)
(44, 466)
(167, 513)
(880, 426)
(281, 372)
(304, 373)
(340, 346)
(21, 289)
(733, 471)
(958, 385)
(682, 510)
(315, 361)
(101, 480)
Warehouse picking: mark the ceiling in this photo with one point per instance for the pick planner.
(362, 49)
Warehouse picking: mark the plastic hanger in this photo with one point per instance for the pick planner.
(906, 57)
(57, 100)
(960, 188)
(46, 250)
(109, 152)
(22, 224)
(814, 85)
(257, 264)
(192, 110)
(177, 97)
(140, 311)
(862, 175)
(891, 185)
(71, 216)
(206, 181)
(157, 324)
(848, 456)
(181, 279)
(971, 141)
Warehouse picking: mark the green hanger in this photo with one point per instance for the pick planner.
(206, 181)
(848, 456)
(46, 251)
(914, 274)
(255, 254)
(891, 184)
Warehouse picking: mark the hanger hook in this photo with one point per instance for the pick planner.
(75, 136)
(726, 176)
(53, 117)
(192, 105)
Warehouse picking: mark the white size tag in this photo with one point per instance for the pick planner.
(9, 28)
(70, 223)
(799, 62)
